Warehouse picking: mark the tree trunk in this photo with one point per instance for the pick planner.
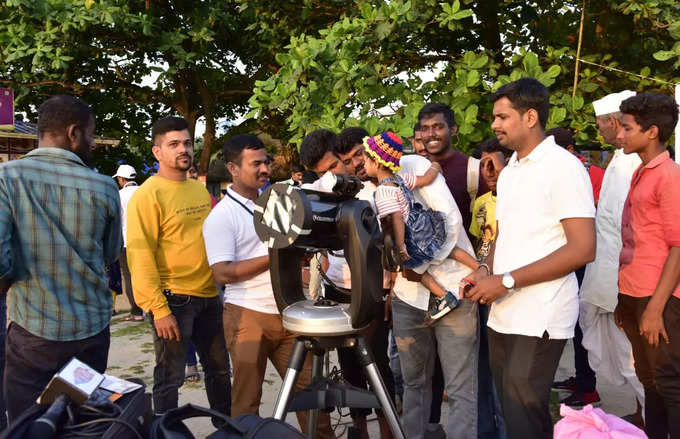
(208, 101)
(487, 11)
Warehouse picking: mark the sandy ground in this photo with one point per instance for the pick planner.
(131, 355)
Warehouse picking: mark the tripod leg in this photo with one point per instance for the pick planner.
(317, 373)
(374, 378)
(295, 362)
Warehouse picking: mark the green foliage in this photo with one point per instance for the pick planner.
(661, 15)
(379, 62)
(107, 50)
(298, 65)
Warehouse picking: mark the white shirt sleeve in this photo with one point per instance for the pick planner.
(220, 235)
(572, 193)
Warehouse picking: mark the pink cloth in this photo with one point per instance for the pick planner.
(592, 423)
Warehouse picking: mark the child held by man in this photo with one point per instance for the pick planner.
(418, 233)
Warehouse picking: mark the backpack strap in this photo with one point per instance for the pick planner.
(170, 425)
(472, 180)
(400, 183)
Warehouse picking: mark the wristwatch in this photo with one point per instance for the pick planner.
(508, 281)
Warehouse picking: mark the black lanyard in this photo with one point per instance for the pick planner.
(241, 204)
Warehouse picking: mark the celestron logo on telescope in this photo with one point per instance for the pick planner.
(323, 219)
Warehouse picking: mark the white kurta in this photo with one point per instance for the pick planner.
(609, 351)
(600, 283)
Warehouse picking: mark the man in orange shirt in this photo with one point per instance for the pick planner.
(649, 266)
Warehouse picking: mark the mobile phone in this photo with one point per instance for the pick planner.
(467, 287)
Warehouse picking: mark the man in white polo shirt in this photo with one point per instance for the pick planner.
(253, 329)
(546, 230)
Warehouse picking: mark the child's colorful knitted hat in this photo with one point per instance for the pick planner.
(386, 149)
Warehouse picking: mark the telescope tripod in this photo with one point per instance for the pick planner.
(325, 394)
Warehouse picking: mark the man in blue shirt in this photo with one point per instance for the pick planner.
(59, 228)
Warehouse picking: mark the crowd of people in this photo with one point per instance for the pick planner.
(537, 246)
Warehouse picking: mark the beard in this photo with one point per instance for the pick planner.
(84, 151)
(181, 164)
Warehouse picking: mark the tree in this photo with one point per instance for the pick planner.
(303, 64)
(367, 67)
(106, 50)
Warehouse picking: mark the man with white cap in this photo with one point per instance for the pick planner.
(125, 177)
(609, 351)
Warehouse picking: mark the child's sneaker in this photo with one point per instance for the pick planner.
(441, 306)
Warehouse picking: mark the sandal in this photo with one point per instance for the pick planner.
(133, 318)
(191, 374)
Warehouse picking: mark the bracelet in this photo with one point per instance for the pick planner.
(485, 265)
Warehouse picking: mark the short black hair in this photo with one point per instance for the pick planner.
(57, 113)
(167, 124)
(416, 127)
(653, 109)
(234, 146)
(438, 108)
(349, 138)
(309, 177)
(563, 136)
(315, 145)
(297, 168)
(477, 153)
(493, 145)
(525, 94)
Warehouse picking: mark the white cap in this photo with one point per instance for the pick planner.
(611, 103)
(126, 171)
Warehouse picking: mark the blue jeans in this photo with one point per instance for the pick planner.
(455, 338)
(200, 321)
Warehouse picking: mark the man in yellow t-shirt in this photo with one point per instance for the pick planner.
(483, 227)
(171, 278)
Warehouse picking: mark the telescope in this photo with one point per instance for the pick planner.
(293, 221)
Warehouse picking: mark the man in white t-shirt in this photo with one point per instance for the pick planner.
(125, 177)
(545, 231)
(253, 329)
(454, 337)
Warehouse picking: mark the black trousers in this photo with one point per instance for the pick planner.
(377, 338)
(200, 321)
(32, 361)
(437, 392)
(523, 369)
(657, 369)
(585, 376)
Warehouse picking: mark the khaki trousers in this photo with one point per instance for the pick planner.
(252, 338)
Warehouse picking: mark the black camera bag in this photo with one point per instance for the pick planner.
(171, 426)
(135, 410)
